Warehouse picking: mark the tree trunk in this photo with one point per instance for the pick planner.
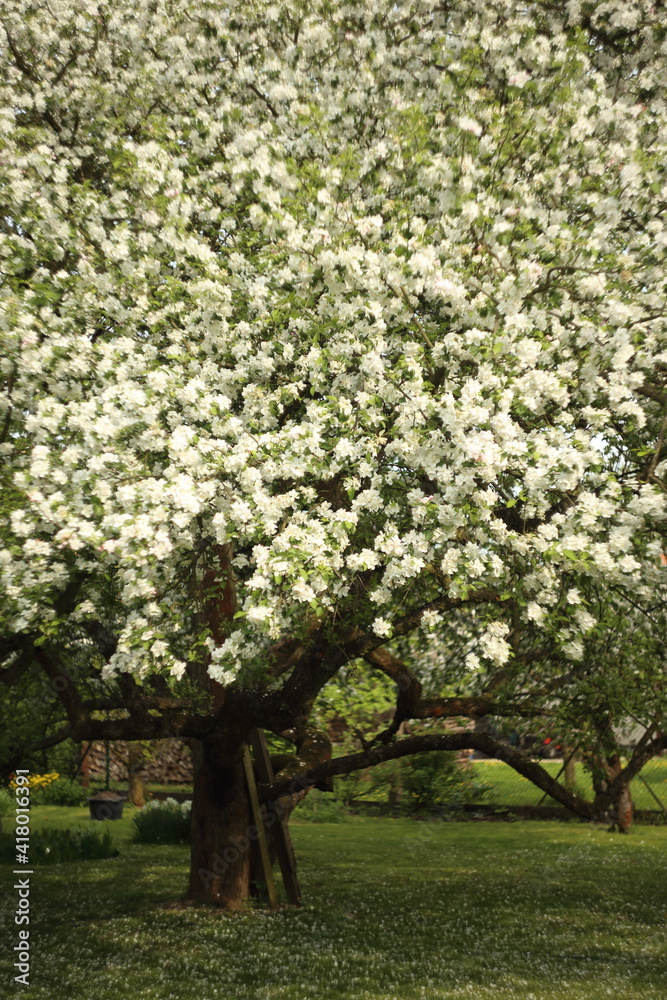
(222, 831)
(569, 769)
(85, 768)
(622, 806)
(135, 764)
(621, 812)
(623, 809)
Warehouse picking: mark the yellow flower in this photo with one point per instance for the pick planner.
(37, 780)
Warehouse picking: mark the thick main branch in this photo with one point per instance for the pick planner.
(451, 741)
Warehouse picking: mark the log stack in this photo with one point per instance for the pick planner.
(166, 762)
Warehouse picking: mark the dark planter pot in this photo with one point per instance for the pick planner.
(105, 807)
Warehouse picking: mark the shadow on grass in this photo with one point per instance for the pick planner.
(395, 910)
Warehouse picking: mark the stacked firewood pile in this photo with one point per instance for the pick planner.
(165, 762)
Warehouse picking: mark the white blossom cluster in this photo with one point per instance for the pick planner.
(371, 291)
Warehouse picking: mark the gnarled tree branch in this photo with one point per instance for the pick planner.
(451, 741)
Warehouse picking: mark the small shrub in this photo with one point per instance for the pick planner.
(438, 781)
(56, 845)
(376, 783)
(320, 807)
(60, 793)
(165, 822)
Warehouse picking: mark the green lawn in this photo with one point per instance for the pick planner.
(395, 910)
(63, 816)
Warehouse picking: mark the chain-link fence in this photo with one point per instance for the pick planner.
(428, 783)
(502, 787)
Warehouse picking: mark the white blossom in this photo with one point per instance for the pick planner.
(388, 334)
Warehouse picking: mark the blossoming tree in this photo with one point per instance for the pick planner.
(320, 323)
(606, 708)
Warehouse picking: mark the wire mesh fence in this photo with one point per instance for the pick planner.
(501, 786)
(487, 786)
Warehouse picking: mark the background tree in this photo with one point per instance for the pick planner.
(605, 707)
(320, 324)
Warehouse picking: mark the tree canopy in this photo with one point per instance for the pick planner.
(323, 323)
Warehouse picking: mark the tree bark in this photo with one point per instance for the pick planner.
(621, 808)
(569, 769)
(85, 768)
(222, 832)
(135, 764)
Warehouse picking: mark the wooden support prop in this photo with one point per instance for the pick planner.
(568, 755)
(283, 841)
(261, 830)
(651, 792)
